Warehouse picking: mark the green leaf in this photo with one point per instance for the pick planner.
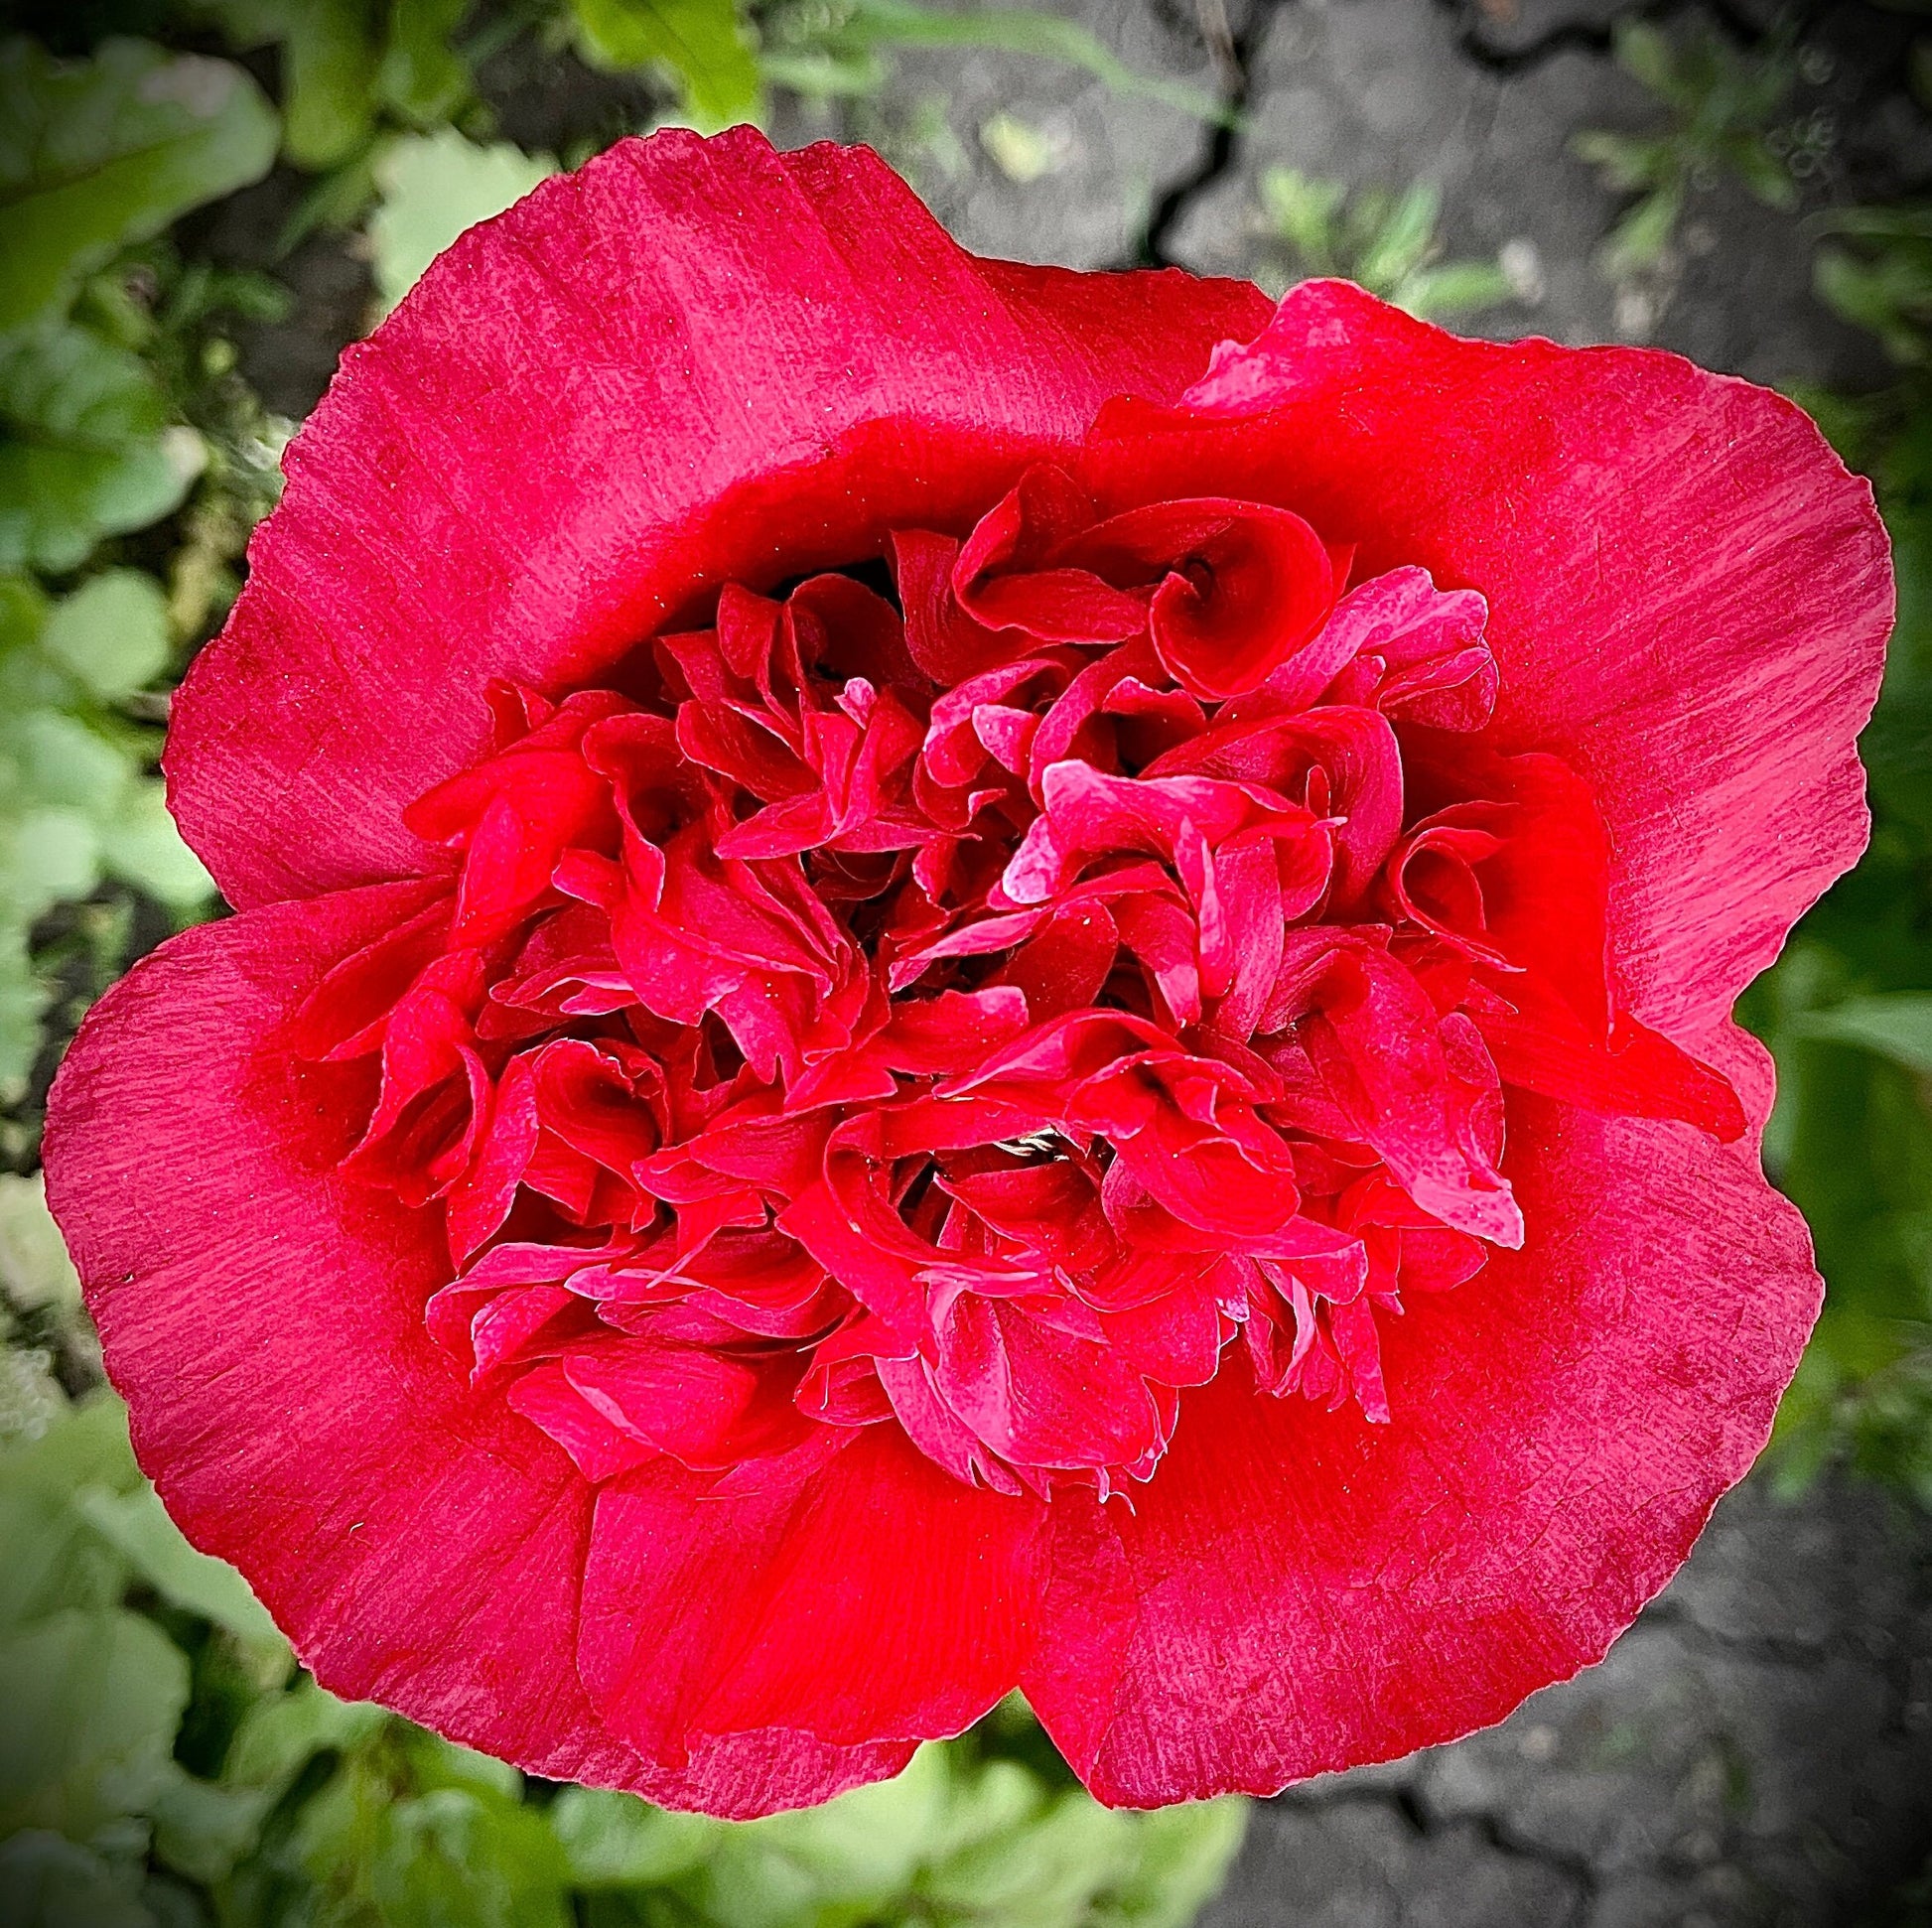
(1626, 162)
(1018, 148)
(93, 1703)
(137, 1526)
(1182, 1858)
(112, 633)
(1764, 173)
(987, 1802)
(98, 154)
(46, 855)
(1044, 1873)
(35, 1270)
(141, 845)
(864, 1848)
(1303, 210)
(1896, 1025)
(85, 449)
(422, 76)
(1909, 221)
(826, 75)
(22, 999)
(702, 43)
(1644, 52)
(48, 1883)
(870, 24)
(62, 763)
(1867, 296)
(201, 1830)
(1638, 240)
(329, 55)
(54, 1557)
(1456, 288)
(1404, 239)
(345, 62)
(618, 1841)
(433, 187)
(437, 1763)
(458, 1860)
(282, 1732)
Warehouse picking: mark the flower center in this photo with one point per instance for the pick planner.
(989, 1008)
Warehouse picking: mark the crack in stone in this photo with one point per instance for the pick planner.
(1234, 59)
(1408, 1808)
(1573, 1868)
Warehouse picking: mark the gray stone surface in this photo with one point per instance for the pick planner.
(1349, 1863)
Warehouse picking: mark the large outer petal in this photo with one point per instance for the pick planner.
(877, 1598)
(687, 362)
(1298, 1590)
(263, 1317)
(1688, 596)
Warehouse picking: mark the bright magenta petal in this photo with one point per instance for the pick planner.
(590, 411)
(1300, 1590)
(1689, 597)
(264, 1318)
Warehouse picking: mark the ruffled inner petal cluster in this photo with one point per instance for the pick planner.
(984, 993)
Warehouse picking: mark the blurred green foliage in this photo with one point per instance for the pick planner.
(1721, 112)
(428, 189)
(1875, 272)
(1384, 240)
(348, 66)
(705, 45)
(98, 155)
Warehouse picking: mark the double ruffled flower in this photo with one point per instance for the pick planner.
(931, 995)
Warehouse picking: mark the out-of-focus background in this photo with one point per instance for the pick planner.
(201, 202)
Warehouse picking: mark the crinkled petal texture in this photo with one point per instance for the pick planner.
(937, 987)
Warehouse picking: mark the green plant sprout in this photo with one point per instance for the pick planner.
(1881, 278)
(1384, 240)
(1721, 109)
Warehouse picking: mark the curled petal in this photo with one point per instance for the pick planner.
(1237, 588)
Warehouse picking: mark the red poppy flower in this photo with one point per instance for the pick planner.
(936, 988)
